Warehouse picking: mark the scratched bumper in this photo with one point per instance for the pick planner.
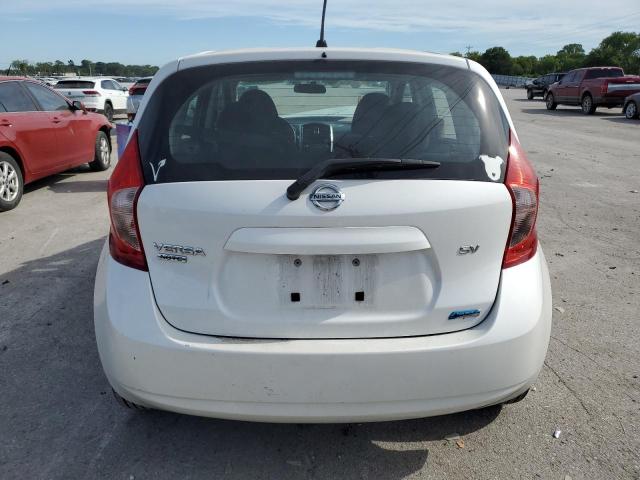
(151, 363)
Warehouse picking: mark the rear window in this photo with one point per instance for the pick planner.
(603, 73)
(144, 81)
(276, 120)
(62, 84)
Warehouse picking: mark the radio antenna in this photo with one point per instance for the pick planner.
(322, 42)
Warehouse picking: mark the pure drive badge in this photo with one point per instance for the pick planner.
(177, 253)
(327, 197)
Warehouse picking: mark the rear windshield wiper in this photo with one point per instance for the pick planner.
(342, 165)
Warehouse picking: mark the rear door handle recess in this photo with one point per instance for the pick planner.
(5, 123)
(56, 120)
(327, 241)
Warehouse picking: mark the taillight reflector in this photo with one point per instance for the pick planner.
(91, 93)
(123, 190)
(522, 182)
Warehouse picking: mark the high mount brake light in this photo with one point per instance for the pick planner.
(124, 188)
(523, 185)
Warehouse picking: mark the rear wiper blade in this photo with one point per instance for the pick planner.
(342, 165)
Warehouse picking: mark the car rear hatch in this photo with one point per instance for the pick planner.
(76, 89)
(372, 253)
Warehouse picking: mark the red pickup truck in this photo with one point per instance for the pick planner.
(591, 88)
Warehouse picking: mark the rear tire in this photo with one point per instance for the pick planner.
(102, 155)
(631, 110)
(588, 107)
(11, 182)
(108, 111)
(529, 94)
(550, 102)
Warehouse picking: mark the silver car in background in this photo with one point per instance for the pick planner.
(631, 108)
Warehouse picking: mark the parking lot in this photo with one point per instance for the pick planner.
(59, 420)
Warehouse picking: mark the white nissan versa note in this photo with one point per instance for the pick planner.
(322, 235)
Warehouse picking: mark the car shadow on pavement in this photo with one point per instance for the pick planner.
(570, 112)
(60, 183)
(623, 120)
(60, 420)
(560, 111)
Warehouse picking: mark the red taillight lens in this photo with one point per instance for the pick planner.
(604, 88)
(91, 93)
(522, 182)
(137, 90)
(124, 188)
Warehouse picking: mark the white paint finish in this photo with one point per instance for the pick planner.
(150, 362)
(275, 54)
(234, 294)
(327, 241)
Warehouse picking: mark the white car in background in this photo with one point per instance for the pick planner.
(98, 94)
(322, 235)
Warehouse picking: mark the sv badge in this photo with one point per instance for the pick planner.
(467, 249)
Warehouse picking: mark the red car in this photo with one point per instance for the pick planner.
(42, 133)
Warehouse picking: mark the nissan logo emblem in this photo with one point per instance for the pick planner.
(326, 197)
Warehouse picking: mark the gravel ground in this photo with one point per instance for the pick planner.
(59, 421)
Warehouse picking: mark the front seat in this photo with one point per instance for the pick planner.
(251, 133)
(368, 113)
(259, 112)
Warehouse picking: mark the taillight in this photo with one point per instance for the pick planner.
(123, 190)
(522, 183)
(91, 93)
(131, 90)
(604, 88)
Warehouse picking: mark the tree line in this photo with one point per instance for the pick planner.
(618, 49)
(621, 49)
(85, 67)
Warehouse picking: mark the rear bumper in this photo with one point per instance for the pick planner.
(92, 103)
(610, 102)
(151, 363)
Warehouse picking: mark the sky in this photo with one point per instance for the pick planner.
(158, 31)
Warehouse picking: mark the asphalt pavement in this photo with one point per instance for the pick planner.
(58, 419)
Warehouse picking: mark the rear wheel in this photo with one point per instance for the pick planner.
(588, 107)
(551, 101)
(11, 182)
(108, 111)
(102, 155)
(631, 110)
(529, 94)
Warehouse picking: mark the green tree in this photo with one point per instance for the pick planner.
(497, 60)
(548, 64)
(527, 64)
(618, 49)
(58, 66)
(87, 67)
(475, 56)
(20, 66)
(571, 56)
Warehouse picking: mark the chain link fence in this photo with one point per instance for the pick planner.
(511, 80)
